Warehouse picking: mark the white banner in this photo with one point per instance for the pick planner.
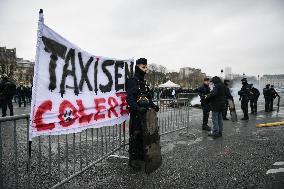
(74, 90)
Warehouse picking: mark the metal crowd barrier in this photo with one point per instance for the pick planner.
(51, 161)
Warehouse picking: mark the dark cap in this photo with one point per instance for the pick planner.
(206, 79)
(244, 80)
(141, 61)
(267, 85)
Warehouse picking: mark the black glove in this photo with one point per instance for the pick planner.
(156, 108)
(141, 110)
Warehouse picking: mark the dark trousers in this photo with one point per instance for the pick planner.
(7, 103)
(22, 99)
(206, 112)
(244, 106)
(135, 138)
(271, 104)
(267, 104)
(253, 105)
(224, 113)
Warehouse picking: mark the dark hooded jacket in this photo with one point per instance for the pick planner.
(217, 96)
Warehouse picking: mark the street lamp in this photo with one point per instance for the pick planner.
(258, 81)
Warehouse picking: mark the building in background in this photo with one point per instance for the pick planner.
(24, 71)
(190, 77)
(228, 73)
(17, 69)
(7, 61)
(276, 80)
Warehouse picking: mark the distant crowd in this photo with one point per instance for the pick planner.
(9, 91)
(168, 93)
(219, 100)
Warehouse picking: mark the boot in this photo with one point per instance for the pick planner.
(214, 135)
(135, 165)
(206, 128)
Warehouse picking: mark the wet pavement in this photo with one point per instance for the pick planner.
(245, 157)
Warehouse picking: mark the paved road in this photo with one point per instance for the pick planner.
(245, 157)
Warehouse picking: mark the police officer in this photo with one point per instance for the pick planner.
(228, 96)
(267, 97)
(273, 94)
(139, 100)
(244, 97)
(254, 98)
(7, 91)
(202, 92)
(22, 93)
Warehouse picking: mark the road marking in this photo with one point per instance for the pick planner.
(270, 124)
(279, 163)
(275, 171)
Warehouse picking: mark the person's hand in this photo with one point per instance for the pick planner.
(156, 108)
(141, 110)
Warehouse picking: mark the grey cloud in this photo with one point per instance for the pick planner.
(245, 34)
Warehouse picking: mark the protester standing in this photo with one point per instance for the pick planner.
(216, 99)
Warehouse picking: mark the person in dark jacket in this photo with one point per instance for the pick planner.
(228, 96)
(273, 94)
(139, 101)
(22, 93)
(254, 98)
(245, 97)
(7, 91)
(216, 99)
(267, 97)
(202, 92)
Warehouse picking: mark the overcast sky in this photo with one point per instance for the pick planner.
(247, 35)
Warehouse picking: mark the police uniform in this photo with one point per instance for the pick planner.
(267, 97)
(202, 92)
(139, 100)
(228, 95)
(7, 91)
(22, 92)
(273, 94)
(245, 97)
(253, 100)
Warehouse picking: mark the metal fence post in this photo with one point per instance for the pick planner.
(1, 151)
(16, 154)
